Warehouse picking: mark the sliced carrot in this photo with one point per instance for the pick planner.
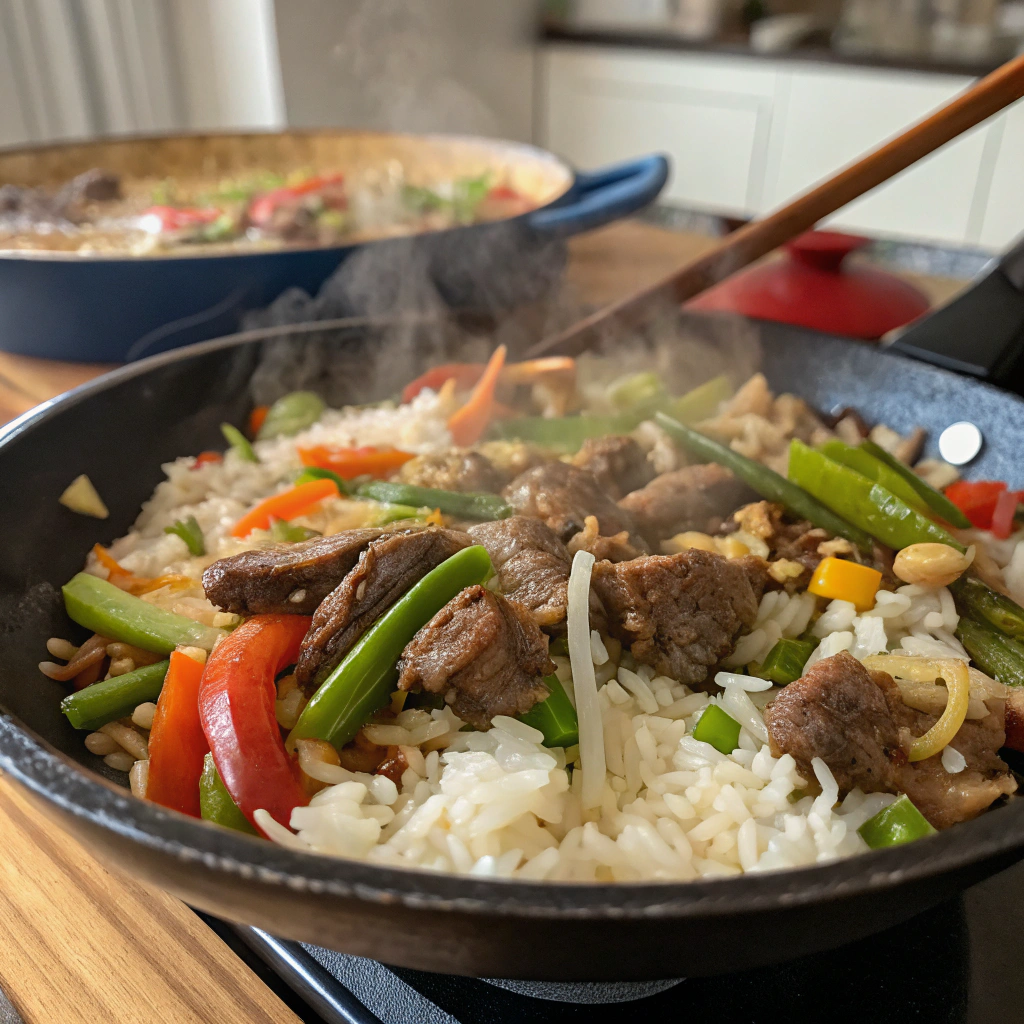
(177, 744)
(286, 505)
(129, 582)
(349, 463)
(256, 418)
(468, 424)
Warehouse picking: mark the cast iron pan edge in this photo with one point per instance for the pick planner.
(496, 927)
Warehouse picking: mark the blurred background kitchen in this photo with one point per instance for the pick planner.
(747, 96)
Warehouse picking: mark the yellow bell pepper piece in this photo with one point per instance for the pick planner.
(843, 580)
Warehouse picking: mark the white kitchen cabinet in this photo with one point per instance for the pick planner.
(748, 134)
(832, 116)
(1004, 211)
(712, 116)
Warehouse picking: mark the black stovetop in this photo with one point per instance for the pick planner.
(956, 964)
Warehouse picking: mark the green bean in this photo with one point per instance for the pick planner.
(291, 414)
(317, 473)
(765, 481)
(366, 678)
(114, 698)
(935, 500)
(995, 654)
(451, 503)
(109, 611)
(869, 506)
(555, 717)
(979, 600)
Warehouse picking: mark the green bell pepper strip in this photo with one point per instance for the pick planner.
(291, 414)
(109, 611)
(239, 442)
(189, 531)
(114, 698)
(900, 822)
(719, 729)
(702, 402)
(785, 662)
(636, 388)
(977, 599)
(935, 500)
(555, 716)
(863, 462)
(215, 803)
(765, 481)
(451, 503)
(396, 513)
(366, 678)
(995, 654)
(867, 505)
(317, 473)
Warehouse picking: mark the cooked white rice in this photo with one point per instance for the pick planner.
(498, 803)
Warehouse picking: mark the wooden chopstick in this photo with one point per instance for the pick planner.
(760, 237)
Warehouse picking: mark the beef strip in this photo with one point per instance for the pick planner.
(291, 578)
(857, 723)
(619, 464)
(453, 471)
(532, 565)
(484, 653)
(386, 570)
(678, 613)
(946, 799)
(691, 498)
(563, 496)
(844, 714)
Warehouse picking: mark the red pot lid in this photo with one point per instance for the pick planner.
(812, 287)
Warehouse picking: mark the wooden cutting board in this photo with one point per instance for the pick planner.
(84, 943)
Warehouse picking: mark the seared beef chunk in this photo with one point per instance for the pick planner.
(453, 471)
(690, 498)
(292, 578)
(563, 496)
(946, 799)
(618, 463)
(388, 567)
(532, 564)
(844, 714)
(677, 613)
(484, 653)
(95, 185)
(857, 723)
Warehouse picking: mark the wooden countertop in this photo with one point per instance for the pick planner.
(85, 943)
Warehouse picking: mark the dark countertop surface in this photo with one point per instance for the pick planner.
(664, 39)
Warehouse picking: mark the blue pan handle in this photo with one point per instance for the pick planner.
(599, 197)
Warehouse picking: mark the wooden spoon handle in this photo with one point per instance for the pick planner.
(760, 237)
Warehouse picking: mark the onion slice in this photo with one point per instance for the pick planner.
(926, 670)
(588, 710)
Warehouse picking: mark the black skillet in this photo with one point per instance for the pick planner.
(121, 427)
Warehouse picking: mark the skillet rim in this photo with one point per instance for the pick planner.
(55, 778)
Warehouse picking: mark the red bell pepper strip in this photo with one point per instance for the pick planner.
(1004, 512)
(349, 463)
(206, 458)
(236, 706)
(177, 743)
(177, 218)
(262, 208)
(465, 376)
(285, 505)
(976, 499)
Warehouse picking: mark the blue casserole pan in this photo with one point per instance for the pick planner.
(109, 308)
